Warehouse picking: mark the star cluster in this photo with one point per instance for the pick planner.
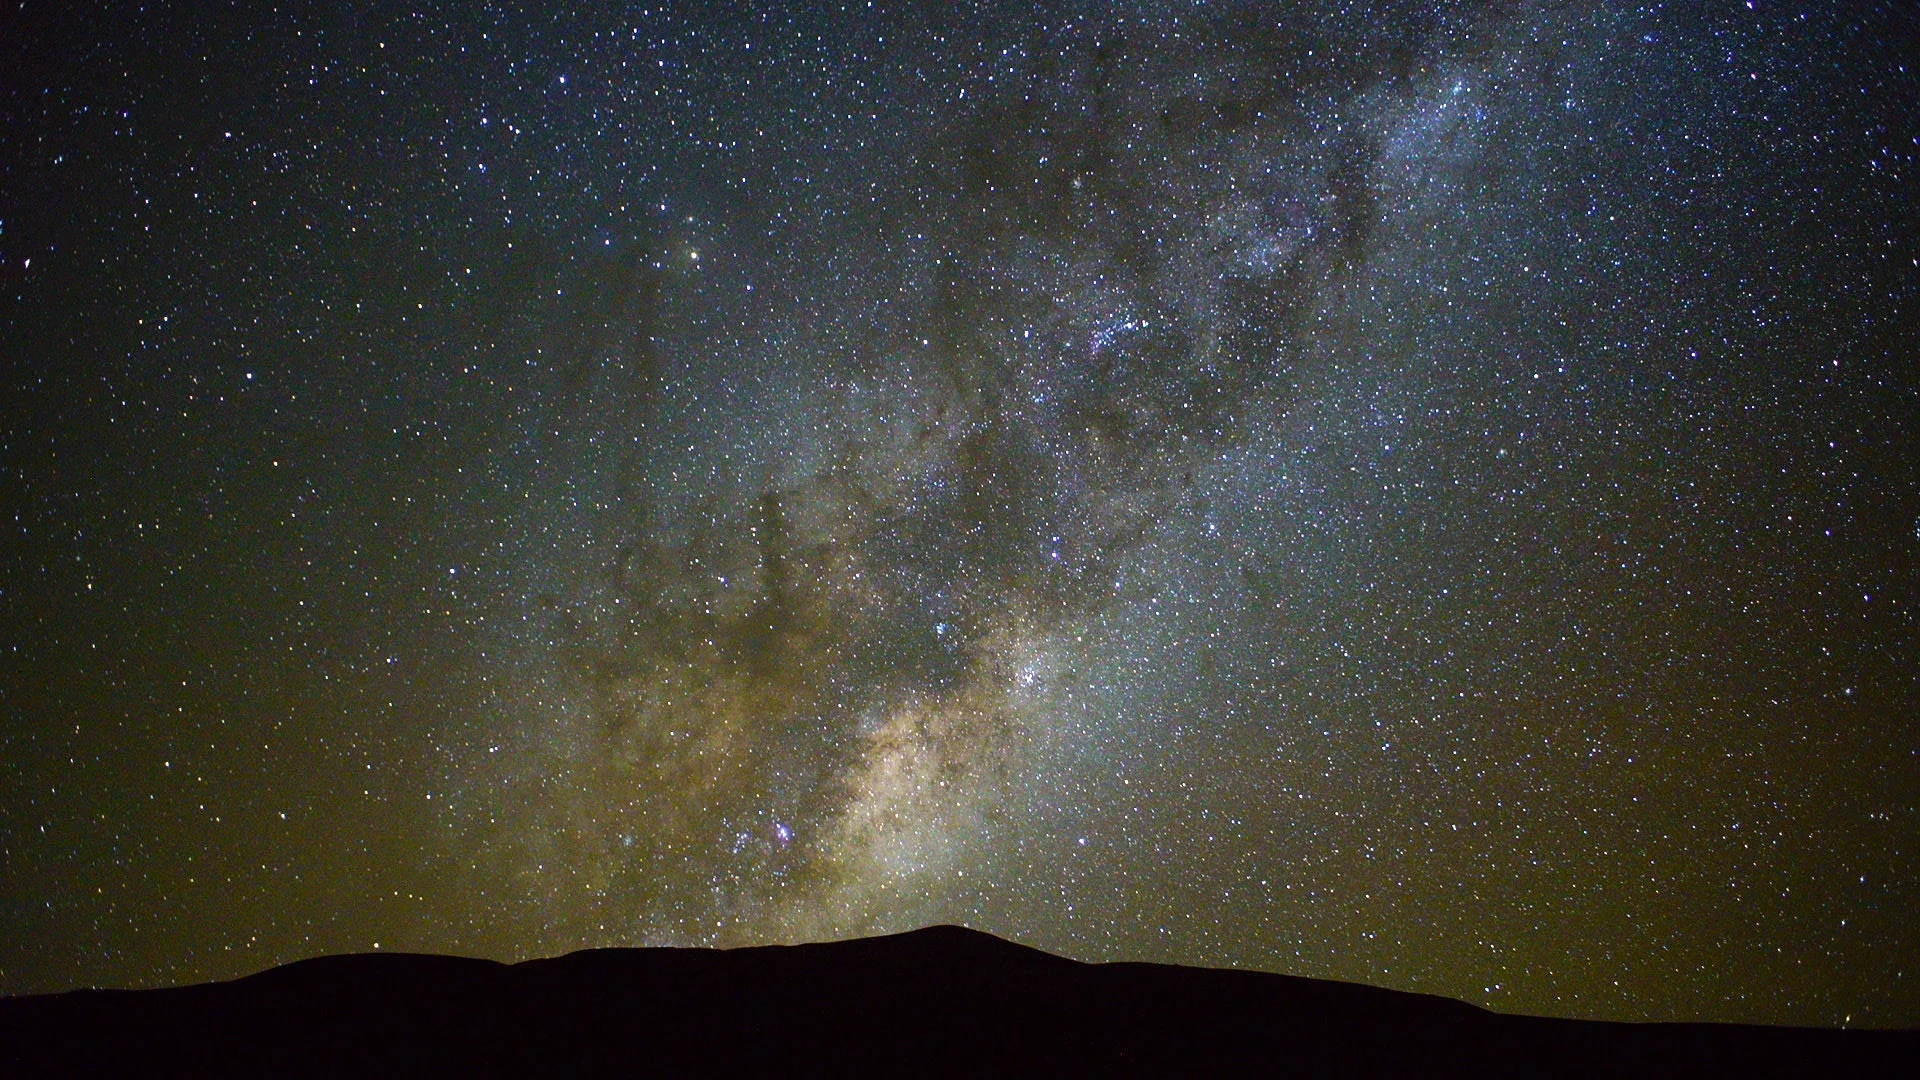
(1416, 494)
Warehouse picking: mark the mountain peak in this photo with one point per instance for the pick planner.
(941, 1000)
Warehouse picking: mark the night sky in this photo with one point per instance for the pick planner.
(1422, 494)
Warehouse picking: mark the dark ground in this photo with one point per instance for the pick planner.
(941, 1001)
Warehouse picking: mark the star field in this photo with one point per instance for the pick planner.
(1420, 494)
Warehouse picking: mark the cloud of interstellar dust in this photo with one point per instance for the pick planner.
(798, 706)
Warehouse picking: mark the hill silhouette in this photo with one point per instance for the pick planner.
(939, 1001)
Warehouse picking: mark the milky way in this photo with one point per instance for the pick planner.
(1419, 494)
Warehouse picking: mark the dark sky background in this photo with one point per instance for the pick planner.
(1424, 494)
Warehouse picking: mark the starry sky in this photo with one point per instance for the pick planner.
(1422, 494)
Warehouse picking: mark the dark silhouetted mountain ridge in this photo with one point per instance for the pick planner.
(939, 1001)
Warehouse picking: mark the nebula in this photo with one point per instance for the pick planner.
(801, 697)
